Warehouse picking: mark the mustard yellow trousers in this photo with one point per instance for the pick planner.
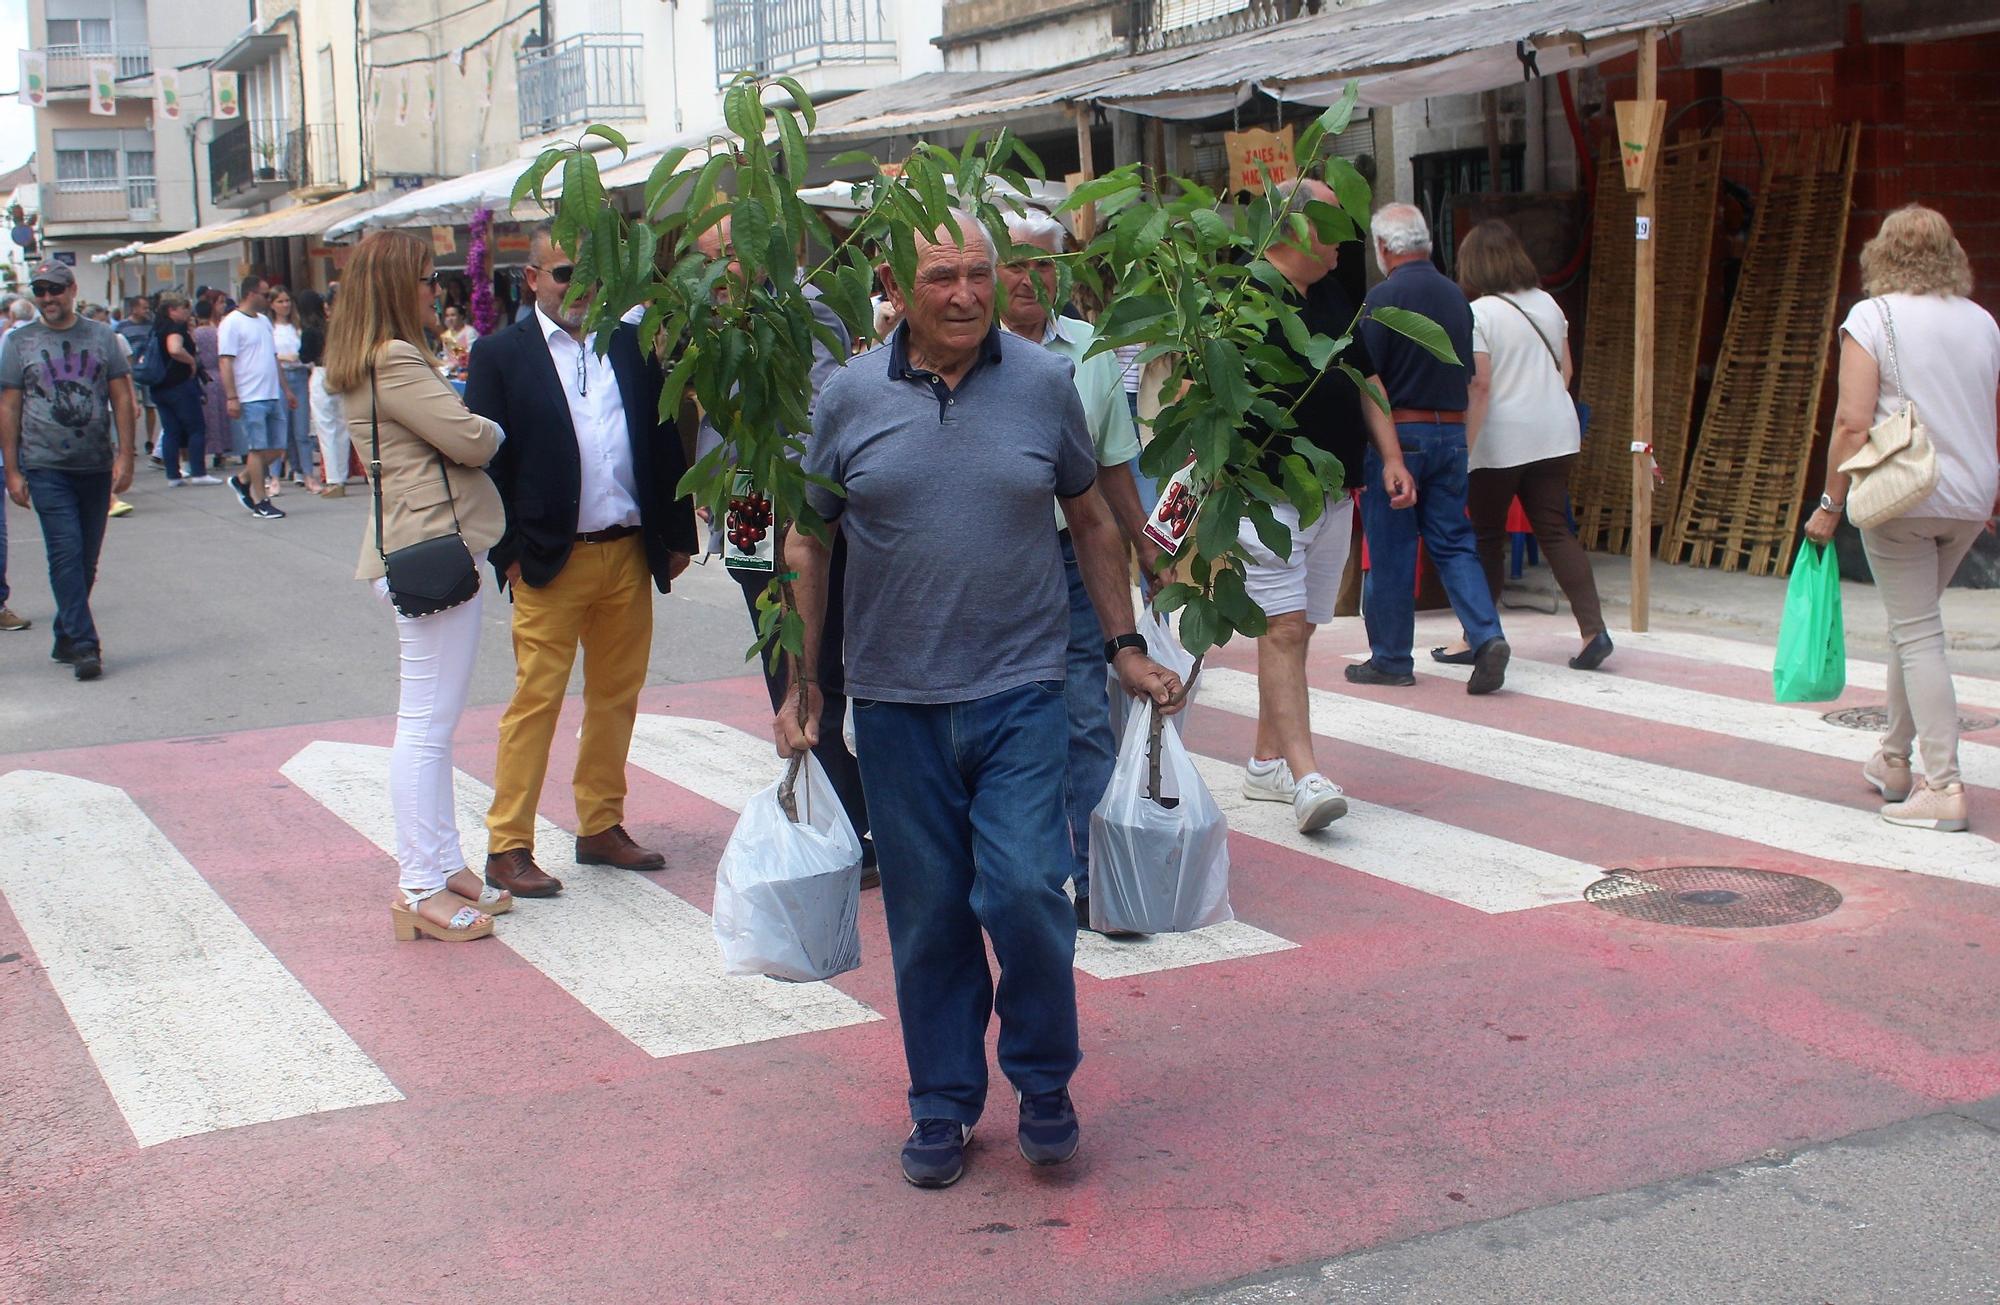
(602, 600)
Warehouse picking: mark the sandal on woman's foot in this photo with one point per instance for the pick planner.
(466, 923)
(1464, 658)
(493, 901)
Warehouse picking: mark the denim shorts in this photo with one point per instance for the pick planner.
(261, 427)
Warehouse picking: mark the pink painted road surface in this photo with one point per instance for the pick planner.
(1410, 1064)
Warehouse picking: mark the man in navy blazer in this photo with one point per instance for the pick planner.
(589, 474)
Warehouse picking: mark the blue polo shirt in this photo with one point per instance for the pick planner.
(955, 588)
(1411, 374)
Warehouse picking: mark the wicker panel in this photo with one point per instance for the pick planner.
(1741, 508)
(1684, 235)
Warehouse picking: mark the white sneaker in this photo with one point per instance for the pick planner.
(204, 480)
(1268, 781)
(1318, 802)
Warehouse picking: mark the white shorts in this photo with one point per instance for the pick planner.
(1309, 580)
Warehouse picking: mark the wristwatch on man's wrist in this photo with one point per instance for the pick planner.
(1826, 504)
(1112, 647)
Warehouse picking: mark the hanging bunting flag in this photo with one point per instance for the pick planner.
(222, 85)
(167, 95)
(104, 87)
(492, 68)
(428, 84)
(375, 95)
(34, 92)
(402, 97)
(458, 60)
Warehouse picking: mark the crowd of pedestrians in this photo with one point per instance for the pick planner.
(964, 632)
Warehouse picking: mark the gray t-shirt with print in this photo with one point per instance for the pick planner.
(955, 586)
(65, 382)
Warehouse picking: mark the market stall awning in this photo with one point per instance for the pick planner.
(1399, 50)
(298, 220)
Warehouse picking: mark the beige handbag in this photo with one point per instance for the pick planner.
(1897, 468)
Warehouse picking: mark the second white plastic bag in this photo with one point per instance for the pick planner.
(1159, 861)
(788, 895)
(1164, 647)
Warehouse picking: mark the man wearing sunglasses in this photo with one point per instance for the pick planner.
(589, 476)
(64, 383)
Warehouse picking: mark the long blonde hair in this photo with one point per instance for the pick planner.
(377, 305)
(1915, 254)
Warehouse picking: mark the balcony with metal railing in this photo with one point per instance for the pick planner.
(69, 68)
(1163, 24)
(110, 200)
(779, 36)
(315, 149)
(252, 160)
(596, 78)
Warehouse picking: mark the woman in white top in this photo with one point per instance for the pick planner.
(1521, 427)
(300, 445)
(457, 338)
(1919, 340)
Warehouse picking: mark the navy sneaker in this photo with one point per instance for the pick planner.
(1368, 673)
(934, 1154)
(265, 511)
(1049, 1131)
(242, 491)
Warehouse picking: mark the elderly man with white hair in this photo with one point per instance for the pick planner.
(936, 456)
(1416, 468)
(1031, 312)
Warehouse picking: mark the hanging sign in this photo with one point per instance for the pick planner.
(104, 87)
(1640, 126)
(1256, 153)
(222, 85)
(444, 242)
(34, 83)
(167, 95)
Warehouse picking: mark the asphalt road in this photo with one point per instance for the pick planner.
(214, 621)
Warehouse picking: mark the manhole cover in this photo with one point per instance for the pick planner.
(1713, 896)
(1876, 719)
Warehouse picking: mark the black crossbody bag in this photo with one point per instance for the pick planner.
(433, 575)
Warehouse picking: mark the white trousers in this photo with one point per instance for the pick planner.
(329, 423)
(436, 659)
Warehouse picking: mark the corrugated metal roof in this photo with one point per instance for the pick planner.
(1354, 40)
(298, 220)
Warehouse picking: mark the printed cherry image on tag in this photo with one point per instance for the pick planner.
(1173, 516)
(748, 542)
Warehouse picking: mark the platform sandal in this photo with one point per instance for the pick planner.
(493, 901)
(467, 923)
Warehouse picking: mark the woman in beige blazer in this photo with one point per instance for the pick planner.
(430, 479)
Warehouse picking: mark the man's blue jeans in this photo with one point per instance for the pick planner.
(1092, 749)
(966, 801)
(4, 591)
(73, 508)
(1435, 456)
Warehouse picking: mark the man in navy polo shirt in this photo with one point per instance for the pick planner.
(947, 443)
(1414, 473)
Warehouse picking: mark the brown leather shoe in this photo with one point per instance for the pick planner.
(615, 847)
(516, 872)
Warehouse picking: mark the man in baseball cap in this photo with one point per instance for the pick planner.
(64, 383)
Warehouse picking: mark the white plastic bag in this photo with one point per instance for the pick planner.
(788, 896)
(1164, 647)
(1159, 863)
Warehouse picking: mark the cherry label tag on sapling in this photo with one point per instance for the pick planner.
(748, 543)
(1175, 513)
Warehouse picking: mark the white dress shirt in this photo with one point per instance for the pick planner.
(610, 492)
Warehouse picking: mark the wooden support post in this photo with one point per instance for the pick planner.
(1642, 334)
(1086, 170)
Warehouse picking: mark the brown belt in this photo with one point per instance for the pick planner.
(1427, 416)
(607, 534)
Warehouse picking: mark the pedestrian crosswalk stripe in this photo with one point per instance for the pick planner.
(727, 765)
(1736, 718)
(1460, 865)
(638, 957)
(1803, 826)
(1972, 690)
(193, 1023)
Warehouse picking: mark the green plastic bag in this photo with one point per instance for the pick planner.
(1812, 641)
